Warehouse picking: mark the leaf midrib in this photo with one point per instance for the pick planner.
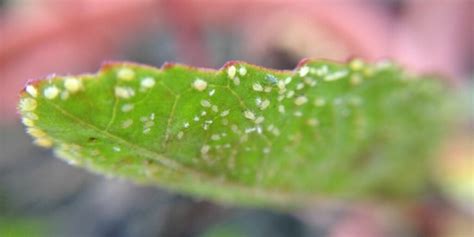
(276, 195)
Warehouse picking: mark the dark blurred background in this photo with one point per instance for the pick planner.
(43, 196)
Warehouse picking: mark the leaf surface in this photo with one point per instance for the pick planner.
(245, 134)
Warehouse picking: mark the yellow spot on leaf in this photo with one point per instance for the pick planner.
(51, 92)
(126, 74)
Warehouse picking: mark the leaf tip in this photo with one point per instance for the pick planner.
(30, 88)
(167, 65)
(230, 63)
(108, 65)
(303, 62)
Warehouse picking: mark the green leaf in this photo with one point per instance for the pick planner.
(245, 134)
